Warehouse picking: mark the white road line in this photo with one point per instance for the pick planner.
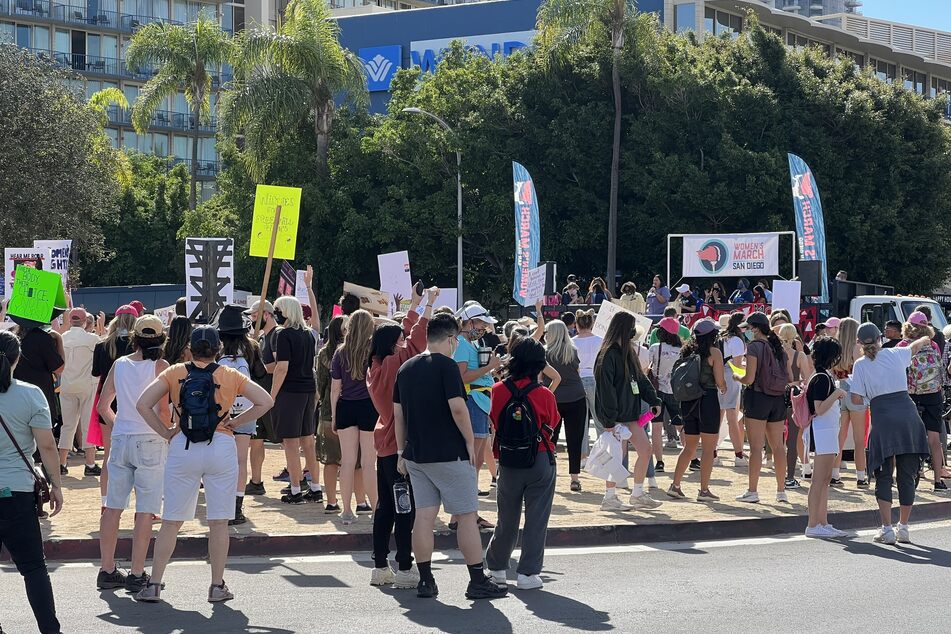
(439, 556)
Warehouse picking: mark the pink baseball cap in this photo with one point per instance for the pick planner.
(670, 324)
(918, 318)
(138, 306)
(126, 309)
(77, 315)
(833, 322)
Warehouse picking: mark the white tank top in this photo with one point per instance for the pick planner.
(131, 378)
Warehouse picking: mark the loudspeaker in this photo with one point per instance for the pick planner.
(810, 274)
(551, 271)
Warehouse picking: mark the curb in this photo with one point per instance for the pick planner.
(559, 536)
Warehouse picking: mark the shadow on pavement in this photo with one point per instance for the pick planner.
(902, 553)
(482, 616)
(559, 609)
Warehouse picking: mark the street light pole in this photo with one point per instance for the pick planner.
(445, 126)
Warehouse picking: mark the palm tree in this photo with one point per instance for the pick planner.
(288, 76)
(99, 104)
(564, 23)
(183, 54)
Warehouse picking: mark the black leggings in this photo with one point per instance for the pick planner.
(792, 445)
(20, 533)
(575, 417)
(907, 465)
(385, 518)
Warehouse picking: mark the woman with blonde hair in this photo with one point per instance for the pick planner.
(353, 416)
(294, 391)
(852, 414)
(562, 355)
(800, 369)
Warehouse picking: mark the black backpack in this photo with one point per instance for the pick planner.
(518, 433)
(685, 379)
(198, 417)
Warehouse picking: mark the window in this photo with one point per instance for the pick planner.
(113, 135)
(709, 18)
(914, 81)
(23, 36)
(720, 22)
(160, 144)
(940, 86)
(883, 70)
(7, 32)
(858, 60)
(110, 46)
(685, 17)
(61, 44)
(41, 37)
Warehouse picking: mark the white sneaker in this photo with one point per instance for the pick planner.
(819, 531)
(406, 579)
(382, 576)
(499, 576)
(750, 496)
(652, 483)
(903, 535)
(835, 531)
(886, 535)
(529, 582)
(614, 504)
(644, 502)
(781, 496)
(741, 462)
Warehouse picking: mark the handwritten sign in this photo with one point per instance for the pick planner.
(535, 289)
(606, 313)
(59, 256)
(36, 294)
(377, 302)
(266, 200)
(14, 257)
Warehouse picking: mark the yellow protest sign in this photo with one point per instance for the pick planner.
(266, 200)
(36, 294)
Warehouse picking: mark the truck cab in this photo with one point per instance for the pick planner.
(881, 308)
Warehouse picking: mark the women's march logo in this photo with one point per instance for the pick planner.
(713, 255)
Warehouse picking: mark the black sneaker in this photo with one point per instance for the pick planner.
(837, 483)
(314, 496)
(135, 583)
(239, 517)
(94, 470)
(293, 498)
(254, 488)
(110, 580)
(792, 483)
(363, 509)
(485, 589)
(495, 482)
(940, 487)
(862, 484)
(286, 490)
(694, 465)
(659, 467)
(483, 494)
(63, 470)
(332, 508)
(427, 589)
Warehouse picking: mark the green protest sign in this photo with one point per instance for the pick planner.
(36, 294)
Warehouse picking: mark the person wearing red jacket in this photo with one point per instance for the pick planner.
(393, 345)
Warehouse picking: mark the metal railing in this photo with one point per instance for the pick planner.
(206, 169)
(80, 14)
(162, 119)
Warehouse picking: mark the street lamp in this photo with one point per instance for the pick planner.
(459, 298)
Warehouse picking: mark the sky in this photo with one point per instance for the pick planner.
(934, 14)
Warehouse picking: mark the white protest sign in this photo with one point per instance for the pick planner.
(300, 289)
(377, 302)
(20, 256)
(166, 314)
(606, 313)
(787, 295)
(395, 277)
(209, 276)
(58, 258)
(447, 297)
(535, 289)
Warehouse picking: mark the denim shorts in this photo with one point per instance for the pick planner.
(846, 404)
(480, 420)
(137, 462)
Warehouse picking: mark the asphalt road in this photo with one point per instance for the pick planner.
(759, 585)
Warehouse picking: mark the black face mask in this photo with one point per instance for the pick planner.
(279, 317)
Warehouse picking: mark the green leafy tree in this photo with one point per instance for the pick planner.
(100, 103)
(183, 54)
(288, 77)
(56, 177)
(565, 23)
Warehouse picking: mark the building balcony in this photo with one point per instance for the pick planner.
(162, 120)
(79, 14)
(207, 170)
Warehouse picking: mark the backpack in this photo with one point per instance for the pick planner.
(517, 430)
(924, 373)
(801, 414)
(685, 379)
(772, 378)
(198, 413)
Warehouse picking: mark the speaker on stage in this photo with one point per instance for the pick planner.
(810, 274)
(551, 270)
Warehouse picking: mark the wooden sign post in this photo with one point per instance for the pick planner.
(267, 272)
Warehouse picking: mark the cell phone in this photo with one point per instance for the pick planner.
(419, 287)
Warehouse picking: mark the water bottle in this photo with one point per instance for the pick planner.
(401, 496)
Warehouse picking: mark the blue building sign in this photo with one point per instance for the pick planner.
(381, 63)
(426, 54)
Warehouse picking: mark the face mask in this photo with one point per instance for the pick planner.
(475, 334)
(748, 335)
(279, 317)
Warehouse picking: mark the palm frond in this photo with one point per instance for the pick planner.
(100, 101)
(153, 93)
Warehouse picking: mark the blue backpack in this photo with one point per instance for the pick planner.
(199, 413)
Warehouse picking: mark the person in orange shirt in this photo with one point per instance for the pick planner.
(190, 464)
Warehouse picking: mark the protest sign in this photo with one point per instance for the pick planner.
(447, 297)
(786, 295)
(267, 199)
(300, 288)
(606, 313)
(36, 295)
(20, 256)
(58, 257)
(287, 280)
(166, 314)
(535, 287)
(395, 277)
(209, 276)
(377, 302)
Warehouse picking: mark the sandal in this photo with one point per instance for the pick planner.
(484, 524)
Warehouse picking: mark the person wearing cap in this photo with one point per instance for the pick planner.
(117, 343)
(926, 386)
(138, 306)
(240, 351)
(832, 327)
(682, 331)
(852, 415)
(191, 465)
(898, 440)
(938, 338)
(764, 403)
(77, 390)
(702, 416)
(137, 459)
(662, 356)
(689, 303)
(265, 427)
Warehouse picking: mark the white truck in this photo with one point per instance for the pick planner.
(878, 304)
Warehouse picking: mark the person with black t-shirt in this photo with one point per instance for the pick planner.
(41, 357)
(892, 333)
(437, 449)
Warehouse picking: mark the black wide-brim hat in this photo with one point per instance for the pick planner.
(231, 320)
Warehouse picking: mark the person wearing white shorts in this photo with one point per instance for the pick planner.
(190, 463)
(823, 397)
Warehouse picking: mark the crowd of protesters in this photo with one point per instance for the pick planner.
(404, 411)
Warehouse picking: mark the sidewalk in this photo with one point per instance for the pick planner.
(275, 527)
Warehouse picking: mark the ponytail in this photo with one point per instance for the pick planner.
(9, 355)
(871, 349)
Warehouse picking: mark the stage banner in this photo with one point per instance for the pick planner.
(810, 226)
(527, 233)
(731, 255)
